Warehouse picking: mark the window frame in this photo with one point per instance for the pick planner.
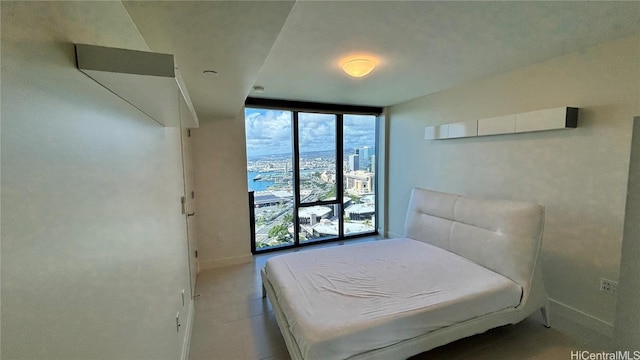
(339, 111)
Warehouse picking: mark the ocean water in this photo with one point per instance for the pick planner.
(256, 185)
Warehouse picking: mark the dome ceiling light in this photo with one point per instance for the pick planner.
(359, 65)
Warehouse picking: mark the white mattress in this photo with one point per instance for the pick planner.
(345, 300)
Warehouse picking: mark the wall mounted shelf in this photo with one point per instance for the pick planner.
(540, 120)
(149, 81)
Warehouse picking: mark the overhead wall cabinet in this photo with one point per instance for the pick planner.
(540, 120)
(149, 81)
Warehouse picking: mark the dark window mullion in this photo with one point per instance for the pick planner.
(319, 203)
(340, 172)
(314, 107)
(295, 167)
(377, 174)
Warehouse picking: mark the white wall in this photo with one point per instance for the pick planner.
(93, 242)
(220, 165)
(627, 325)
(580, 175)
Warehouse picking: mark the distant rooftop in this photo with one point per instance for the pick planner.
(361, 209)
(282, 194)
(331, 228)
(266, 199)
(317, 210)
(368, 199)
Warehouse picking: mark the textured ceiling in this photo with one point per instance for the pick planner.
(231, 37)
(293, 48)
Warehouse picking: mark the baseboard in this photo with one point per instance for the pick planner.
(186, 345)
(391, 235)
(216, 263)
(581, 318)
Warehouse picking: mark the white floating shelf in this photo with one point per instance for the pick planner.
(148, 81)
(541, 120)
(549, 119)
(497, 125)
(463, 129)
(436, 132)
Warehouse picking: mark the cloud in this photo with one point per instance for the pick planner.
(269, 131)
(316, 132)
(359, 131)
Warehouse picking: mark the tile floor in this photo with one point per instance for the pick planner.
(233, 322)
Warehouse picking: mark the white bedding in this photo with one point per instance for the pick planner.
(342, 301)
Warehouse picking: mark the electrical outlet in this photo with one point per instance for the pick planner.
(609, 286)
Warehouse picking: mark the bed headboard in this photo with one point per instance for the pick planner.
(501, 235)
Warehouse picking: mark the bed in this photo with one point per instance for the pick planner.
(464, 266)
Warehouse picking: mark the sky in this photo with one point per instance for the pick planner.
(269, 131)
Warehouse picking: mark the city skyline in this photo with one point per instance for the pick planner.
(287, 155)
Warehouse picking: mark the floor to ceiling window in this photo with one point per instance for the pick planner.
(269, 175)
(311, 174)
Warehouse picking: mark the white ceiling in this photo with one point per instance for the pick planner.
(293, 48)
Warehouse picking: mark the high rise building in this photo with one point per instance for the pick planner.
(364, 157)
(354, 162)
(372, 164)
(365, 151)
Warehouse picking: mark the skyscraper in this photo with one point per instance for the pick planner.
(364, 157)
(354, 162)
(372, 164)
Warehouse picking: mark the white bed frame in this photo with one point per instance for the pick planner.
(503, 236)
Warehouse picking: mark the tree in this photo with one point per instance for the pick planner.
(288, 218)
(279, 233)
(331, 194)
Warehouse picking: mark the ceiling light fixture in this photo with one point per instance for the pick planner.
(358, 67)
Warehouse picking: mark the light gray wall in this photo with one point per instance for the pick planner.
(627, 326)
(580, 175)
(93, 242)
(220, 166)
